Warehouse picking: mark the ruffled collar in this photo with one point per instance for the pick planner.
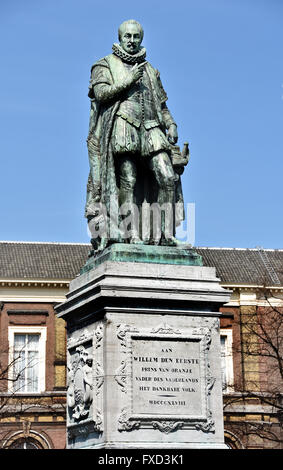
(129, 58)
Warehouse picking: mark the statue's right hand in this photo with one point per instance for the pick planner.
(136, 72)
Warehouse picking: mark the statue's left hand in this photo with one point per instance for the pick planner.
(172, 134)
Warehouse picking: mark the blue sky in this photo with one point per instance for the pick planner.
(221, 65)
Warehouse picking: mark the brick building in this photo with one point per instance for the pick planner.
(34, 277)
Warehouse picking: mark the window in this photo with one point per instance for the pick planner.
(27, 359)
(226, 360)
(25, 443)
(26, 439)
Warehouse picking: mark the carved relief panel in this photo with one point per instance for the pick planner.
(165, 378)
(85, 380)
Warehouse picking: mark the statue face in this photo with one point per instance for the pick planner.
(131, 39)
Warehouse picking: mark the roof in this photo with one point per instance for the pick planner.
(41, 260)
(36, 260)
(245, 266)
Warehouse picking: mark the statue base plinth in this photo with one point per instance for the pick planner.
(144, 351)
(182, 255)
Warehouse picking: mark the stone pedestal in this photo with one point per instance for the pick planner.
(144, 351)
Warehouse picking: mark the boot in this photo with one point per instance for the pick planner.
(126, 197)
(167, 196)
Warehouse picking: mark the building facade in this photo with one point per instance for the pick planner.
(34, 277)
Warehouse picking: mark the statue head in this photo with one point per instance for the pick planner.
(130, 35)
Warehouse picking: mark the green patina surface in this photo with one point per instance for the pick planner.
(124, 252)
(132, 149)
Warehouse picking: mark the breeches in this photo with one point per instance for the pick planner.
(127, 139)
(160, 165)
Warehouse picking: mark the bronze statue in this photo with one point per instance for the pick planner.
(131, 144)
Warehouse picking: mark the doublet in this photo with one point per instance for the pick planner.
(138, 106)
(142, 115)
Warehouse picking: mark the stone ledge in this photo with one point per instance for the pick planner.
(180, 255)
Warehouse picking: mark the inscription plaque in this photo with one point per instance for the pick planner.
(166, 377)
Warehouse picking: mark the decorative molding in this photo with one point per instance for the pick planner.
(99, 422)
(167, 426)
(207, 426)
(126, 424)
(32, 283)
(26, 433)
(207, 341)
(210, 381)
(123, 330)
(98, 336)
(26, 428)
(83, 338)
(165, 329)
(121, 376)
(99, 377)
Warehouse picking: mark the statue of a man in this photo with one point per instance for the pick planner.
(130, 140)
